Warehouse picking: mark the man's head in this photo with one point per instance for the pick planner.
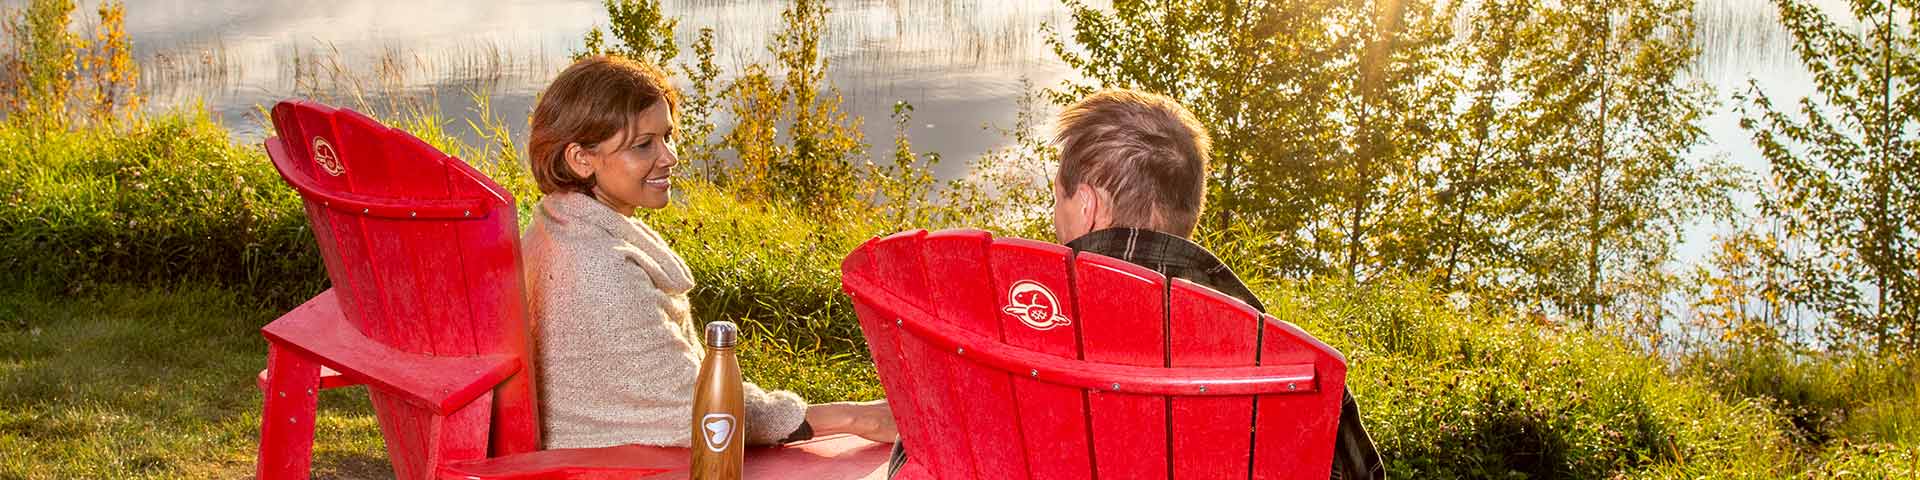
(1128, 159)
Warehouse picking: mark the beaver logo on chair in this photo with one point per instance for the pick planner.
(326, 157)
(1035, 306)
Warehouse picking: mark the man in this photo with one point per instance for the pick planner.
(1131, 185)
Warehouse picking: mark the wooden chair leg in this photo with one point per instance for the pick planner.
(287, 416)
(464, 435)
(418, 441)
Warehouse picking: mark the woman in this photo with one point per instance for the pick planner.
(618, 349)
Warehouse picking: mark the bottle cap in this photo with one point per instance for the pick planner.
(722, 334)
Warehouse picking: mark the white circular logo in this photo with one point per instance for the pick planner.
(326, 157)
(718, 430)
(1035, 306)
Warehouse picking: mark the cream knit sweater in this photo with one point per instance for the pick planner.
(618, 351)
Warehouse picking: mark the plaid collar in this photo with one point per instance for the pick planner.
(1172, 256)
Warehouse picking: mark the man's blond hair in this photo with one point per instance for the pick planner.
(1145, 150)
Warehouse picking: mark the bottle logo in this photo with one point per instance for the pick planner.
(326, 157)
(718, 430)
(1035, 306)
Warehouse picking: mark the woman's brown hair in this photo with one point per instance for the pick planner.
(590, 102)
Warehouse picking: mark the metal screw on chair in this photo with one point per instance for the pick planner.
(960, 351)
(1203, 389)
(365, 211)
(1116, 387)
(466, 213)
(899, 322)
(1292, 386)
(1033, 373)
(413, 214)
(292, 420)
(283, 394)
(309, 391)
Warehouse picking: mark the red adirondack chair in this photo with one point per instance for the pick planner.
(1010, 359)
(428, 311)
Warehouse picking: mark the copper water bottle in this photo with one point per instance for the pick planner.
(719, 416)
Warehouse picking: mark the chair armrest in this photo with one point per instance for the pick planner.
(318, 330)
(329, 379)
(835, 457)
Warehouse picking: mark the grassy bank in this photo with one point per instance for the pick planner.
(146, 382)
(142, 260)
(1460, 391)
(166, 200)
(143, 252)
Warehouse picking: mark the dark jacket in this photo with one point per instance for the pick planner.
(1354, 455)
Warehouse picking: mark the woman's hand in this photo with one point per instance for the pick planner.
(869, 420)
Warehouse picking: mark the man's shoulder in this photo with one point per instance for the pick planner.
(1171, 255)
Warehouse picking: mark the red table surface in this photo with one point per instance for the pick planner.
(838, 457)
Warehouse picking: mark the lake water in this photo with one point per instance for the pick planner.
(961, 63)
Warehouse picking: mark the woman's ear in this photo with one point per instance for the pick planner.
(577, 161)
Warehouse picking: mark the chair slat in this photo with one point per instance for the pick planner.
(1030, 282)
(456, 439)
(988, 417)
(1211, 435)
(1294, 432)
(282, 149)
(308, 129)
(407, 430)
(408, 258)
(498, 310)
(883, 341)
(314, 130)
(1122, 320)
(899, 258)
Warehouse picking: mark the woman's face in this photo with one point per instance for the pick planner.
(639, 175)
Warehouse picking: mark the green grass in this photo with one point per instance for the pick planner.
(141, 382)
(148, 383)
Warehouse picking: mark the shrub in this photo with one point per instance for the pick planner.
(1463, 391)
(165, 201)
(1824, 397)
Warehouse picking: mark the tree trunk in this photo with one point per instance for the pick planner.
(1590, 299)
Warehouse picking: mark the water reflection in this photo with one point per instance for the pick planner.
(960, 62)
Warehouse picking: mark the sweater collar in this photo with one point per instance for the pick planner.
(669, 272)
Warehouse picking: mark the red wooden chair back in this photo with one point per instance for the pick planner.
(423, 254)
(1009, 358)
